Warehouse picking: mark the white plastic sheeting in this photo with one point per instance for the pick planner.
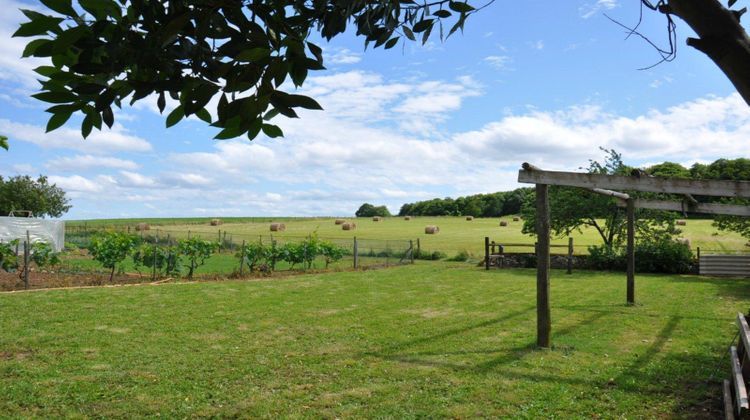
(40, 230)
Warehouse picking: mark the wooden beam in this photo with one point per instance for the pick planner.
(543, 320)
(728, 406)
(621, 196)
(720, 188)
(705, 208)
(738, 383)
(631, 253)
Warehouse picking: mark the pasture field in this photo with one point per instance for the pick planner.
(423, 340)
(456, 233)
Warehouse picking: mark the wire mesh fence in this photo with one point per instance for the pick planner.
(157, 247)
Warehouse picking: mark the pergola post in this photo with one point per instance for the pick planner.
(543, 320)
(631, 250)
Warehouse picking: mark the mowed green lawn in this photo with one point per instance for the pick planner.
(456, 233)
(427, 340)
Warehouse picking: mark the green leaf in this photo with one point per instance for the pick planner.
(409, 34)
(161, 102)
(46, 71)
(391, 43)
(4, 142)
(285, 100)
(442, 14)
(316, 51)
(228, 133)
(253, 55)
(272, 131)
(57, 120)
(86, 126)
(39, 26)
(108, 116)
(175, 116)
(63, 7)
(460, 7)
(100, 9)
(203, 115)
(423, 25)
(32, 46)
(55, 97)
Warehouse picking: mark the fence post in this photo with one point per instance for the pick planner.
(486, 252)
(356, 254)
(220, 244)
(698, 254)
(26, 253)
(419, 248)
(570, 255)
(242, 258)
(387, 251)
(411, 248)
(188, 234)
(153, 273)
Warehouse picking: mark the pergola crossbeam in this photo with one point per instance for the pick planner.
(717, 188)
(704, 208)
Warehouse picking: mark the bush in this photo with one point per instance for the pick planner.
(197, 252)
(111, 248)
(661, 255)
(43, 255)
(430, 256)
(8, 257)
(606, 257)
(165, 261)
(462, 256)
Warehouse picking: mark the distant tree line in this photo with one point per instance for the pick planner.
(478, 205)
(369, 210)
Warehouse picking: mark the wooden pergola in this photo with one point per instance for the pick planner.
(608, 185)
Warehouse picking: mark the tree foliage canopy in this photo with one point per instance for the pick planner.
(38, 196)
(369, 210)
(239, 52)
(478, 205)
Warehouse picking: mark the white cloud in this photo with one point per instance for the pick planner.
(341, 56)
(136, 180)
(107, 140)
(83, 162)
(590, 9)
(499, 62)
(76, 184)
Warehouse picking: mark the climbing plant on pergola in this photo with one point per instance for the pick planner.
(608, 185)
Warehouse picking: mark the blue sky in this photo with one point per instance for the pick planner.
(547, 82)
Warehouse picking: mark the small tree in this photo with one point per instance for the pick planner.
(197, 251)
(8, 257)
(255, 254)
(151, 256)
(36, 195)
(368, 210)
(331, 252)
(111, 248)
(292, 253)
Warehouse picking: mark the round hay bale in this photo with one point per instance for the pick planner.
(349, 226)
(407, 218)
(469, 218)
(142, 226)
(339, 221)
(515, 219)
(431, 230)
(377, 219)
(503, 223)
(278, 227)
(680, 223)
(684, 241)
(216, 222)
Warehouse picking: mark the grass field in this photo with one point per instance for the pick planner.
(456, 233)
(427, 340)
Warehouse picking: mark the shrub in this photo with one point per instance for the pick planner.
(331, 252)
(43, 255)
(165, 261)
(663, 256)
(462, 256)
(8, 257)
(111, 248)
(430, 256)
(255, 253)
(607, 257)
(197, 251)
(659, 255)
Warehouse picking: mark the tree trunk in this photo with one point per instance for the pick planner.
(112, 274)
(721, 38)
